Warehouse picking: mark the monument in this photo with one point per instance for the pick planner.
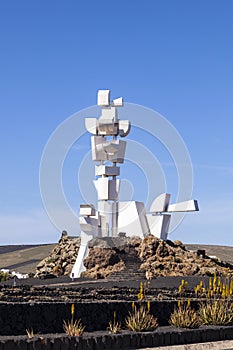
(112, 218)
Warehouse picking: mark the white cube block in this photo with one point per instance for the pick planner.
(103, 98)
(87, 210)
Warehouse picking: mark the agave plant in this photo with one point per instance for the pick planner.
(184, 316)
(216, 312)
(140, 320)
(114, 327)
(73, 327)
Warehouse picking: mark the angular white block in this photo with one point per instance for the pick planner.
(87, 210)
(108, 115)
(107, 189)
(160, 204)
(108, 122)
(102, 188)
(89, 225)
(103, 98)
(104, 209)
(186, 206)
(78, 267)
(158, 225)
(132, 219)
(117, 157)
(91, 125)
(124, 127)
(113, 150)
(107, 170)
(98, 153)
(111, 147)
(118, 102)
(107, 129)
(115, 212)
(113, 190)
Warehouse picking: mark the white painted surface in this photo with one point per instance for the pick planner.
(89, 224)
(132, 219)
(186, 206)
(78, 267)
(91, 125)
(103, 98)
(87, 210)
(118, 102)
(158, 225)
(104, 209)
(111, 216)
(124, 127)
(160, 203)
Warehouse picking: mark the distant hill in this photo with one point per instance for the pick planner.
(24, 258)
(225, 253)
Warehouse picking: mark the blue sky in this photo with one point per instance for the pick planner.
(173, 56)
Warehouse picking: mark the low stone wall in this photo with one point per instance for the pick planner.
(15, 318)
(163, 336)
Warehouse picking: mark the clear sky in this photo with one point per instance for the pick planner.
(173, 56)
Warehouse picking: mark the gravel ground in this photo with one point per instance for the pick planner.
(65, 281)
(64, 289)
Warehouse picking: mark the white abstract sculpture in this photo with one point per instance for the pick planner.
(111, 216)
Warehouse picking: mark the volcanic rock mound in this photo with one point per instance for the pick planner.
(158, 258)
(62, 258)
(123, 257)
(169, 258)
(106, 256)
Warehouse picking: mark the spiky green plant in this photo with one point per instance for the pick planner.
(140, 320)
(216, 312)
(184, 316)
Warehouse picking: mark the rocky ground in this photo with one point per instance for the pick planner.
(130, 258)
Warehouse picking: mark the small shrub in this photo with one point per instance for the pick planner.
(30, 333)
(73, 327)
(140, 320)
(184, 316)
(114, 326)
(3, 276)
(216, 312)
